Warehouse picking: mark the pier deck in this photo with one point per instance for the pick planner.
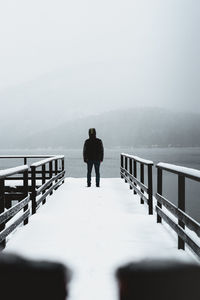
(93, 231)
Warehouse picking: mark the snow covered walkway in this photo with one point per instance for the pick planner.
(93, 231)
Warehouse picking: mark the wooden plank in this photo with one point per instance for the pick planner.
(122, 174)
(181, 205)
(138, 159)
(12, 171)
(44, 180)
(51, 173)
(181, 233)
(44, 186)
(8, 230)
(33, 190)
(14, 196)
(140, 194)
(58, 183)
(122, 163)
(186, 172)
(26, 156)
(150, 190)
(135, 174)
(2, 208)
(21, 178)
(131, 169)
(159, 190)
(142, 181)
(15, 178)
(48, 191)
(45, 161)
(188, 221)
(137, 191)
(136, 181)
(14, 189)
(125, 166)
(25, 191)
(13, 210)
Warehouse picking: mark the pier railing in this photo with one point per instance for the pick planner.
(173, 215)
(182, 221)
(25, 158)
(129, 172)
(29, 186)
(9, 217)
(51, 173)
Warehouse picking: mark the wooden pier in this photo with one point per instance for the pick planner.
(96, 230)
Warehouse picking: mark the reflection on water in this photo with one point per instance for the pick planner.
(75, 167)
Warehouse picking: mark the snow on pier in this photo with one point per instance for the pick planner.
(93, 231)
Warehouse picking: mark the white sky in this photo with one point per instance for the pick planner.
(157, 41)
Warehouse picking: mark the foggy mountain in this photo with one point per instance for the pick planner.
(140, 127)
(68, 93)
(60, 96)
(78, 91)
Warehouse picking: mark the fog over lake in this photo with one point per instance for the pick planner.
(110, 168)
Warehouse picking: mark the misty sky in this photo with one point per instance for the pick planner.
(143, 52)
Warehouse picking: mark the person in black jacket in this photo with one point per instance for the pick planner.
(93, 155)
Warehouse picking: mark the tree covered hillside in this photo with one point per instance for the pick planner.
(141, 127)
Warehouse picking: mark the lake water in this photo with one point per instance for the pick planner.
(75, 167)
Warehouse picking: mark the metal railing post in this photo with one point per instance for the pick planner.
(63, 168)
(2, 208)
(131, 169)
(126, 167)
(51, 173)
(25, 183)
(181, 205)
(43, 180)
(56, 168)
(159, 191)
(135, 173)
(150, 190)
(142, 180)
(33, 189)
(122, 164)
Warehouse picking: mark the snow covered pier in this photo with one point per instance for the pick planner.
(95, 230)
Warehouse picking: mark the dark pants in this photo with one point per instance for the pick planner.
(90, 164)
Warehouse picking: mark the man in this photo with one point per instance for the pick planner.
(93, 155)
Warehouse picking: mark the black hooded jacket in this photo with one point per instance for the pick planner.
(93, 149)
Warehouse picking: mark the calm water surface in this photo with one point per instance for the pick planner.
(75, 167)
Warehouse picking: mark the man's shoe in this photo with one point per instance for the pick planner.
(89, 185)
(97, 185)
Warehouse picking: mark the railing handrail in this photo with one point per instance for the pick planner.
(138, 159)
(187, 172)
(11, 171)
(45, 161)
(26, 156)
(129, 173)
